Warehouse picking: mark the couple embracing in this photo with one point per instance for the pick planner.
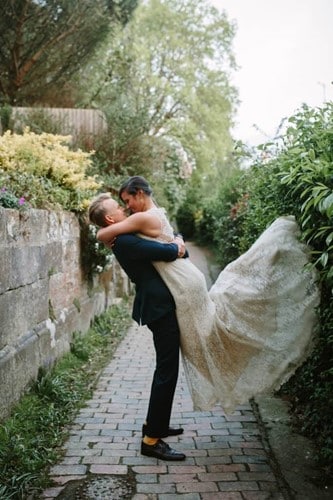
(246, 336)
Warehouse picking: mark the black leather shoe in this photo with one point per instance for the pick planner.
(161, 450)
(171, 432)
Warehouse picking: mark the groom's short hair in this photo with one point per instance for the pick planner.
(97, 210)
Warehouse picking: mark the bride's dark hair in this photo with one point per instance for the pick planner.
(134, 184)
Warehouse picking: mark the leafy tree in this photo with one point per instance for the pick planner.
(164, 78)
(44, 42)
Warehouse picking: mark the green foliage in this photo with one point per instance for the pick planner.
(297, 180)
(10, 200)
(30, 439)
(308, 164)
(37, 58)
(267, 199)
(189, 211)
(38, 121)
(170, 182)
(216, 221)
(124, 149)
(221, 224)
(185, 219)
(310, 389)
(95, 256)
(5, 117)
(42, 169)
(79, 348)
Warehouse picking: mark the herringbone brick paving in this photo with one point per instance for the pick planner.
(226, 456)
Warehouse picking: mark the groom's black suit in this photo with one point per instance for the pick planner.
(154, 306)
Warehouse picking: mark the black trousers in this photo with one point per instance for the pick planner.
(166, 338)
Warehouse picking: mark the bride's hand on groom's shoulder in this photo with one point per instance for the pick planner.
(110, 244)
(181, 246)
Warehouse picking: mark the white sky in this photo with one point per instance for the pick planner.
(284, 49)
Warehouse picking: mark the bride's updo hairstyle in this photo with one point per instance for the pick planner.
(135, 184)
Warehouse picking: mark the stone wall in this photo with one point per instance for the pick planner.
(44, 297)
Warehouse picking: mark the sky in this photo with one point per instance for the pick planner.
(284, 50)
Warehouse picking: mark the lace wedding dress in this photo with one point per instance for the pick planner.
(254, 327)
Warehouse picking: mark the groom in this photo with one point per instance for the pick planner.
(153, 306)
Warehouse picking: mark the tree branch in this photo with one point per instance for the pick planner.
(28, 65)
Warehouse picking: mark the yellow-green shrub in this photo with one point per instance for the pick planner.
(45, 171)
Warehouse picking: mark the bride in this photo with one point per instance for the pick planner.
(247, 334)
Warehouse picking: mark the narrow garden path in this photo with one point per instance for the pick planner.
(226, 458)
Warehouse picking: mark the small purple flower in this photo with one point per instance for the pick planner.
(21, 201)
(3, 189)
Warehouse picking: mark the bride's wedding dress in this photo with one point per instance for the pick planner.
(247, 334)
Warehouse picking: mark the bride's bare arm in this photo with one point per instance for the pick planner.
(140, 222)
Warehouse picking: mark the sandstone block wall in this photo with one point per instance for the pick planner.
(44, 297)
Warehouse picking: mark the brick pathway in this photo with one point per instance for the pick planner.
(226, 456)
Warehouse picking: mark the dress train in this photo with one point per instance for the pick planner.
(255, 326)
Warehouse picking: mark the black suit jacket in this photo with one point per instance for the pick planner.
(135, 255)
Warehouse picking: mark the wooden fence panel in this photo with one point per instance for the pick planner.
(73, 121)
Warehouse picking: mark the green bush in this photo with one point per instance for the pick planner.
(310, 390)
(45, 171)
(308, 166)
(186, 220)
(267, 199)
(189, 212)
(10, 200)
(221, 223)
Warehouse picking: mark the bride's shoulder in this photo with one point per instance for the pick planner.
(146, 218)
